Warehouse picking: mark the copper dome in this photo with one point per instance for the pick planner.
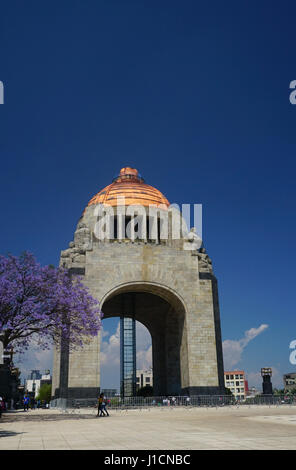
(135, 191)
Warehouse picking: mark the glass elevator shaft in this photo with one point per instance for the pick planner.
(127, 346)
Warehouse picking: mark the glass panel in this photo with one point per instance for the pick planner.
(128, 356)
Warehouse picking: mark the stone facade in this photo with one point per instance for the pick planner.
(176, 298)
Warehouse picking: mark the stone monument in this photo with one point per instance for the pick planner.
(130, 246)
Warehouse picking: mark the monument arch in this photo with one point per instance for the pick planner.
(170, 283)
(162, 312)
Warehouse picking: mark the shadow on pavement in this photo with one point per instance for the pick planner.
(9, 433)
(29, 416)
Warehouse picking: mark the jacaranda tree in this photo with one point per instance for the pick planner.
(46, 303)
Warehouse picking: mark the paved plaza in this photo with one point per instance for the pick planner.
(168, 428)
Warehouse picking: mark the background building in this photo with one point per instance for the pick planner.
(289, 381)
(253, 391)
(144, 378)
(35, 375)
(35, 381)
(110, 392)
(236, 382)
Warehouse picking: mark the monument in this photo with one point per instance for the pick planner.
(266, 373)
(133, 251)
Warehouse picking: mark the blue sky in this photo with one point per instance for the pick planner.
(196, 96)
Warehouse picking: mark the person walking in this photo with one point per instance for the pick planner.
(104, 404)
(100, 401)
(26, 403)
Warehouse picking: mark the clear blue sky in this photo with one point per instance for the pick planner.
(193, 94)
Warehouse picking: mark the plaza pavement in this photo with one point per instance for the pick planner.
(168, 428)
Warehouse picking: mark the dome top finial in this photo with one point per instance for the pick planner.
(132, 186)
(128, 173)
(127, 170)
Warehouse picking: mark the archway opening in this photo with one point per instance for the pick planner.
(110, 356)
(163, 314)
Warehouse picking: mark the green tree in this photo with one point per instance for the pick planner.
(44, 393)
(278, 392)
(291, 391)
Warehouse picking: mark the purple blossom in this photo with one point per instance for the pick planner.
(45, 302)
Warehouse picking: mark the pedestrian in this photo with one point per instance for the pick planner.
(26, 403)
(104, 404)
(100, 401)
